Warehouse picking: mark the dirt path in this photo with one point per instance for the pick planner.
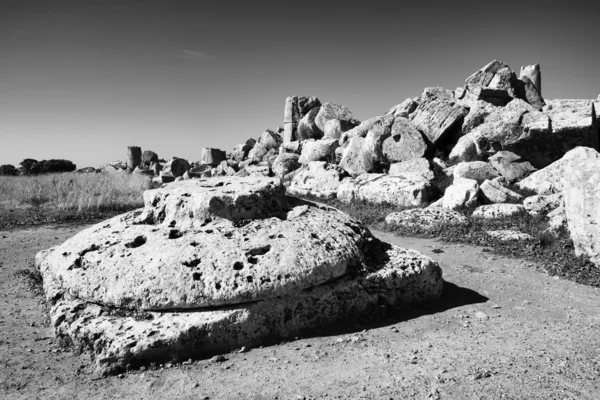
(502, 330)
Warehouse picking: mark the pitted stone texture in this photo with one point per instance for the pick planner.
(212, 156)
(390, 275)
(404, 109)
(581, 193)
(553, 174)
(318, 179)
(477, 170)
(543, 204)
(400, 191)
(416, 168)
(175, 168)
(425, 218)
(332, 111)
(511, 166)
(124, 263)
(437, 118)
(463, 193)
(496, 211)
(318, 150)
(191, 203)
(491, 192)
(405, 142)
(285, 163)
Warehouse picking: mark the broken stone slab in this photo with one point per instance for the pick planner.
(260, 170)
(405, 142)
(511, 166)
(379, 132)
(534, 74)
(488, 75)
(400, 278)
(332, 111)
(147, 287)
(425, 218)
(285, 163)
(542, 204)
(400, 191)
(463, 193)
(497, 211)
(492, 192)
(404, 109)
(296, 108)
(582, 202)
(419, 168)
(480, 171)
(437, 119)
(307, 127)
(175, 168)
(270, 139)
(319, 179)
(353, 159)
(318, 150)
(527, 91)
(573, 124)
(211, 156)
(553, 174)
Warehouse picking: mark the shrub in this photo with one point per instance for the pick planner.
(30, 166)
(54, 166)
(8, 170)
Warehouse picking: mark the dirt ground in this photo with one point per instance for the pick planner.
(501, 331)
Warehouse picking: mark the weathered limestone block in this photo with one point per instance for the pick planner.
(491, 192)
(542, 204)
(307, 127)
(477, 170)
(552, 175)
(285, 163)
(149, 157)
(134, 157)
(533, 73)
(496, 211)
(404, 109)
(175, 168)
(511, 166)
(353, 158)
(295, 108)
(270, 139)
(212, 156)
(582, 206)
(332, 111)
(419, 168)
(463, 193)
(263, 170)
(382, 188)
(258, 152)
(319, 179)
(318, 150)
(214, 265)
(437, 119)
(405, 142)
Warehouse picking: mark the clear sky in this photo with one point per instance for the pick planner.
(81, 80)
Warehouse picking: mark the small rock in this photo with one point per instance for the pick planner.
(218, 359)
(481, 316)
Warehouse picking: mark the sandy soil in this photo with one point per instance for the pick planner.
(501, 331)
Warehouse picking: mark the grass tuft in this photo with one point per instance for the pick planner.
(30, 200)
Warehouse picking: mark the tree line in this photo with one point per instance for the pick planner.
(29, 166)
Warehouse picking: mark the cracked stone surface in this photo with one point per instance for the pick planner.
(212, 265)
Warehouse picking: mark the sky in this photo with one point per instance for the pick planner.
(82, 80)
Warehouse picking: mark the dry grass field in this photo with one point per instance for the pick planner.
(26, 200)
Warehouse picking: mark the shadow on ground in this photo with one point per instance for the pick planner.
(453, 296)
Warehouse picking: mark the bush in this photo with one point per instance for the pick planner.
(33, 167)
(55, 166)
(8, 170)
